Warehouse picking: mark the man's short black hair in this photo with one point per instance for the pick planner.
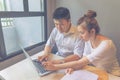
(61, 13)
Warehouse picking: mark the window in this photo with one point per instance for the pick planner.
(22, 23)
(7, 22)
(2, 6)
(11, 5)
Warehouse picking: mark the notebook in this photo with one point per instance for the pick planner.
(80, 75)
(37, 64)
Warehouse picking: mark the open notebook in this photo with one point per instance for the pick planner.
(80, 75)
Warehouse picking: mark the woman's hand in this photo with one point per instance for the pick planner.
(49, 65)
(69, 70)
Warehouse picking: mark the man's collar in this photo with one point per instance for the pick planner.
(71, 31)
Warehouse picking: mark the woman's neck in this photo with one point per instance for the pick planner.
(95, 41)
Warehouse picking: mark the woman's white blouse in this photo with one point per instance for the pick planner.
(104, 56)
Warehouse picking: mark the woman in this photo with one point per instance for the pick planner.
(99, 50)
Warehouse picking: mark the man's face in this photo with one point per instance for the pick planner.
(62, 25)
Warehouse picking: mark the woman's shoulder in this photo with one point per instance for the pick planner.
(104, 39)
(108, 43)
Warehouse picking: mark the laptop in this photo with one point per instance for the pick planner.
(37, 64)
(1, 78)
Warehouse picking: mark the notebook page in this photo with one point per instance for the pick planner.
(80, 75)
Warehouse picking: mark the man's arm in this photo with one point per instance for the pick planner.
(45, 56)
(78, 51)
(49, 45)
(47, 49)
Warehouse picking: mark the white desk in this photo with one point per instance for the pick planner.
(24, 70)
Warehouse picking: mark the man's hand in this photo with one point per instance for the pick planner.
(43, 57)
(50, 65)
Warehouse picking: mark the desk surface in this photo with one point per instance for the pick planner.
(24, 70)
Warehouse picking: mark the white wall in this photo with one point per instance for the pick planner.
(108, 15)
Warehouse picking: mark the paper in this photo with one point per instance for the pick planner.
(80, 75)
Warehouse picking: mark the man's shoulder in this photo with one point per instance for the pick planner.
(55, 31)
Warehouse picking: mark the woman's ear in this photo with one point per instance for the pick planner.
(92, 31)
(69, 20)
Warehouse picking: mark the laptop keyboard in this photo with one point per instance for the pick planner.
(40, 67)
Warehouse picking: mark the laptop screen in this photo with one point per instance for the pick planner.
(36, 64)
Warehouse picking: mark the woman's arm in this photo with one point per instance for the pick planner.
(73, 64)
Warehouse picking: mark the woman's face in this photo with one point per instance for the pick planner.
(84, 34)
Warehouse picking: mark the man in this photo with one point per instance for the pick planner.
(65, 36)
